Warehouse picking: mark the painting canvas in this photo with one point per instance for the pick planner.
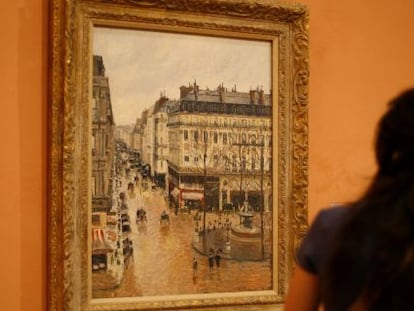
(178, 147)
(181, 164)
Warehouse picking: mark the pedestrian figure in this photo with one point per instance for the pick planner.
(217, 259)
(210, 261)
(195, 267)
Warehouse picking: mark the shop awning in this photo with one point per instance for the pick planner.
(99, 242)
(192, 195)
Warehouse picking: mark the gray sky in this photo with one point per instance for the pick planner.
(141, 64)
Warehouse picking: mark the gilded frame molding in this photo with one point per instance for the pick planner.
(70, 24)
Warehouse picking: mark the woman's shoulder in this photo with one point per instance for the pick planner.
(328, 220)
(315, 245)
(332, 216)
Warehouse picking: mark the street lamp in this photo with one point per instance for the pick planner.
(227, 226)
(197, 218)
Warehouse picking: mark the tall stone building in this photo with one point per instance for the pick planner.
(151, 134)
(137, 136)
(108, 246)
(125, 133)
(102, 139)
(220, 148)
(161, 149)
(148, 139)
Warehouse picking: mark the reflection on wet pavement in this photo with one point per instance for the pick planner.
(163, 254)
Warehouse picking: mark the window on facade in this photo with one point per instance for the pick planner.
(226, 163)
(195, 135)
(94, 108)
(96, 220)
(261, 139)
(99, 141)
(93, 186)
(195, 159)
(95, 92)
(224, 138)
(205, 136)
(186, 159)
(106, 143)
(254, 159)
(215, 137)
(243, 138)
(93, 143)
(185, 134)
(253, 139)
(234, 163)
(243, 163)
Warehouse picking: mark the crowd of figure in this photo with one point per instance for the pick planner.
(213, 259)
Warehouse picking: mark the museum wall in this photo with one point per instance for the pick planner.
(360, 56)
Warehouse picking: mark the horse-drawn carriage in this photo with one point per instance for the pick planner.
(164, 218)
(126, 228)
(141, 216)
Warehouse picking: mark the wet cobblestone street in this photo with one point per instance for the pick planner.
(162, 260)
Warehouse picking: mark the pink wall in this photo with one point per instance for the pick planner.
(361, 54)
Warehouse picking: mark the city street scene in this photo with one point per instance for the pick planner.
(182, 186)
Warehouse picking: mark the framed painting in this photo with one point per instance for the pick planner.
(178, 153)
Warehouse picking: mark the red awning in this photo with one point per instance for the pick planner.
(99, 243)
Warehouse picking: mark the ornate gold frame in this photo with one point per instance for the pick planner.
(283, 24)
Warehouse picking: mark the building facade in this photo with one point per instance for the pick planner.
(137, 136)
(106, 241)
(103, 128)
(220, 148)
(125, 133)
(148, 139)
(161, 150)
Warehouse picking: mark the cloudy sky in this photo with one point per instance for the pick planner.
(141, 64)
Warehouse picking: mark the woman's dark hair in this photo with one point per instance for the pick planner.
(373, 255)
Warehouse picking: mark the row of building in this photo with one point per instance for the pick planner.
(208, 149)
(209, 143)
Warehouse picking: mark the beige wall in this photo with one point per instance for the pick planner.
(361, 54)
